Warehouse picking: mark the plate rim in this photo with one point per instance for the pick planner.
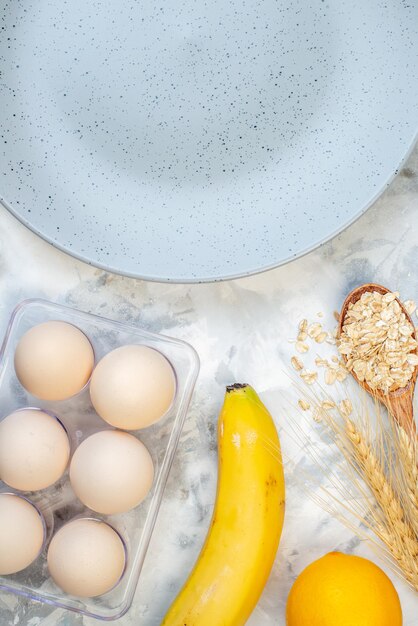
(234, 276)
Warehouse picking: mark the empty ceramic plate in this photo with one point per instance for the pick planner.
(195, 140)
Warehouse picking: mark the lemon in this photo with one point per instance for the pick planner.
(343, 590)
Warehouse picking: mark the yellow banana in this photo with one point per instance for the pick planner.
(244, 534)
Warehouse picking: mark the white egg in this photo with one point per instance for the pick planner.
(22, 533)
(54, 360)
(111, 472)
(86, 557)
(132, 387)
(34, 450)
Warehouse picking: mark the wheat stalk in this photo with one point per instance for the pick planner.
(396, 532)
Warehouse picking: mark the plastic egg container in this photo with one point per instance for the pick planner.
(57, 504)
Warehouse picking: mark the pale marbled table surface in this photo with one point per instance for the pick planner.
(240, 330)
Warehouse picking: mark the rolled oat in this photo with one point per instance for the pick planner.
(377, 342)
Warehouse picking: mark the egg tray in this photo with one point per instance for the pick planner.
(58, 503)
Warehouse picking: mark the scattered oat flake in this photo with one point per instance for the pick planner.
(336, 316)
(320, 314)
(303, 325)
(301, 347)
(302, 336)
(330, 376)
(305, 406)
(341, 374)
(410, 306)
(314, 330)
(321, 337)
(297, 364)
(331, 337)
(321, 362)
(335, 359)
(317, 415)
(328, 404)
(309, 377)
(345, 407)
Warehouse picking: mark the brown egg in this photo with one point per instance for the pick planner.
(34, 450)
(86, 557)
(54, 360)
(132, 387)
(21, 533)
(111, 472)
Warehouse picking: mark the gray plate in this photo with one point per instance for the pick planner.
(198, 140)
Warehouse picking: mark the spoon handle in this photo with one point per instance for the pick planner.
(401, 408)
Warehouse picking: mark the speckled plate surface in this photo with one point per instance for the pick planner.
(198, 140)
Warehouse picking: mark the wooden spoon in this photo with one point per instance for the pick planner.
(398, 402)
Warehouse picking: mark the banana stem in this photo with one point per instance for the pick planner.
(236, 386)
